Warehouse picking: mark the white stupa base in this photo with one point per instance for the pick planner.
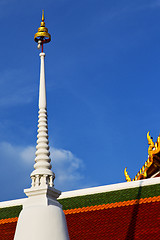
(42, 217)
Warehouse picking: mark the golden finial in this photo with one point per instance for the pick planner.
(42, 36)
(150, 143)
(128, 179)
(42, 15)
(157, 144)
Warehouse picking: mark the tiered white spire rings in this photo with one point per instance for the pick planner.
(42, 175)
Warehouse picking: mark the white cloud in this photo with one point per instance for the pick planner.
(27, 154)
(67, 167)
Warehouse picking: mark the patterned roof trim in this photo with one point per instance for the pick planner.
(10, 212)
(8, 220)
(98, 199)
(110, 197)
(112, 205)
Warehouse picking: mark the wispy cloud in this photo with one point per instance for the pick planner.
(67, 167)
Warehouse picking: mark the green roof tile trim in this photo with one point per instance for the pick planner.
(10, 212)
(94, 199)
(110, 197)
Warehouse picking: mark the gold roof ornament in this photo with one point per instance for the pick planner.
(42, 36)
(153, 150)
(150, 143)
(128, 179)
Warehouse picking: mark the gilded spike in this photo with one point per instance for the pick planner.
(42, 15)
(128, 179)
(145, 173)
(150, 143)
(156, 145)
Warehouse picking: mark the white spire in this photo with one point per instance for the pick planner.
(42, 216)
(42, 85)
(42, 173)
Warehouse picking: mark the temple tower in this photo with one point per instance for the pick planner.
(42, 216)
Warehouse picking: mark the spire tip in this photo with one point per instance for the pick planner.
(42, 36)
(42, 15)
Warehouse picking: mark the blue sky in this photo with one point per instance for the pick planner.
(103, 80)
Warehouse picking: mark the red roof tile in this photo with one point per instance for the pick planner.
(129, 222)
(7, 231)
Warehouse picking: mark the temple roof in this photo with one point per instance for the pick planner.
(118, 211)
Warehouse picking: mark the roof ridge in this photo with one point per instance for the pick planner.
(110, 188)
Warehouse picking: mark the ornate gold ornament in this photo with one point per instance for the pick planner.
(42, 36)
(152, 150)
(128, 179)
(150, 143)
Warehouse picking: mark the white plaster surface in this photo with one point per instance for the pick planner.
(42, 217)
(41, 223)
